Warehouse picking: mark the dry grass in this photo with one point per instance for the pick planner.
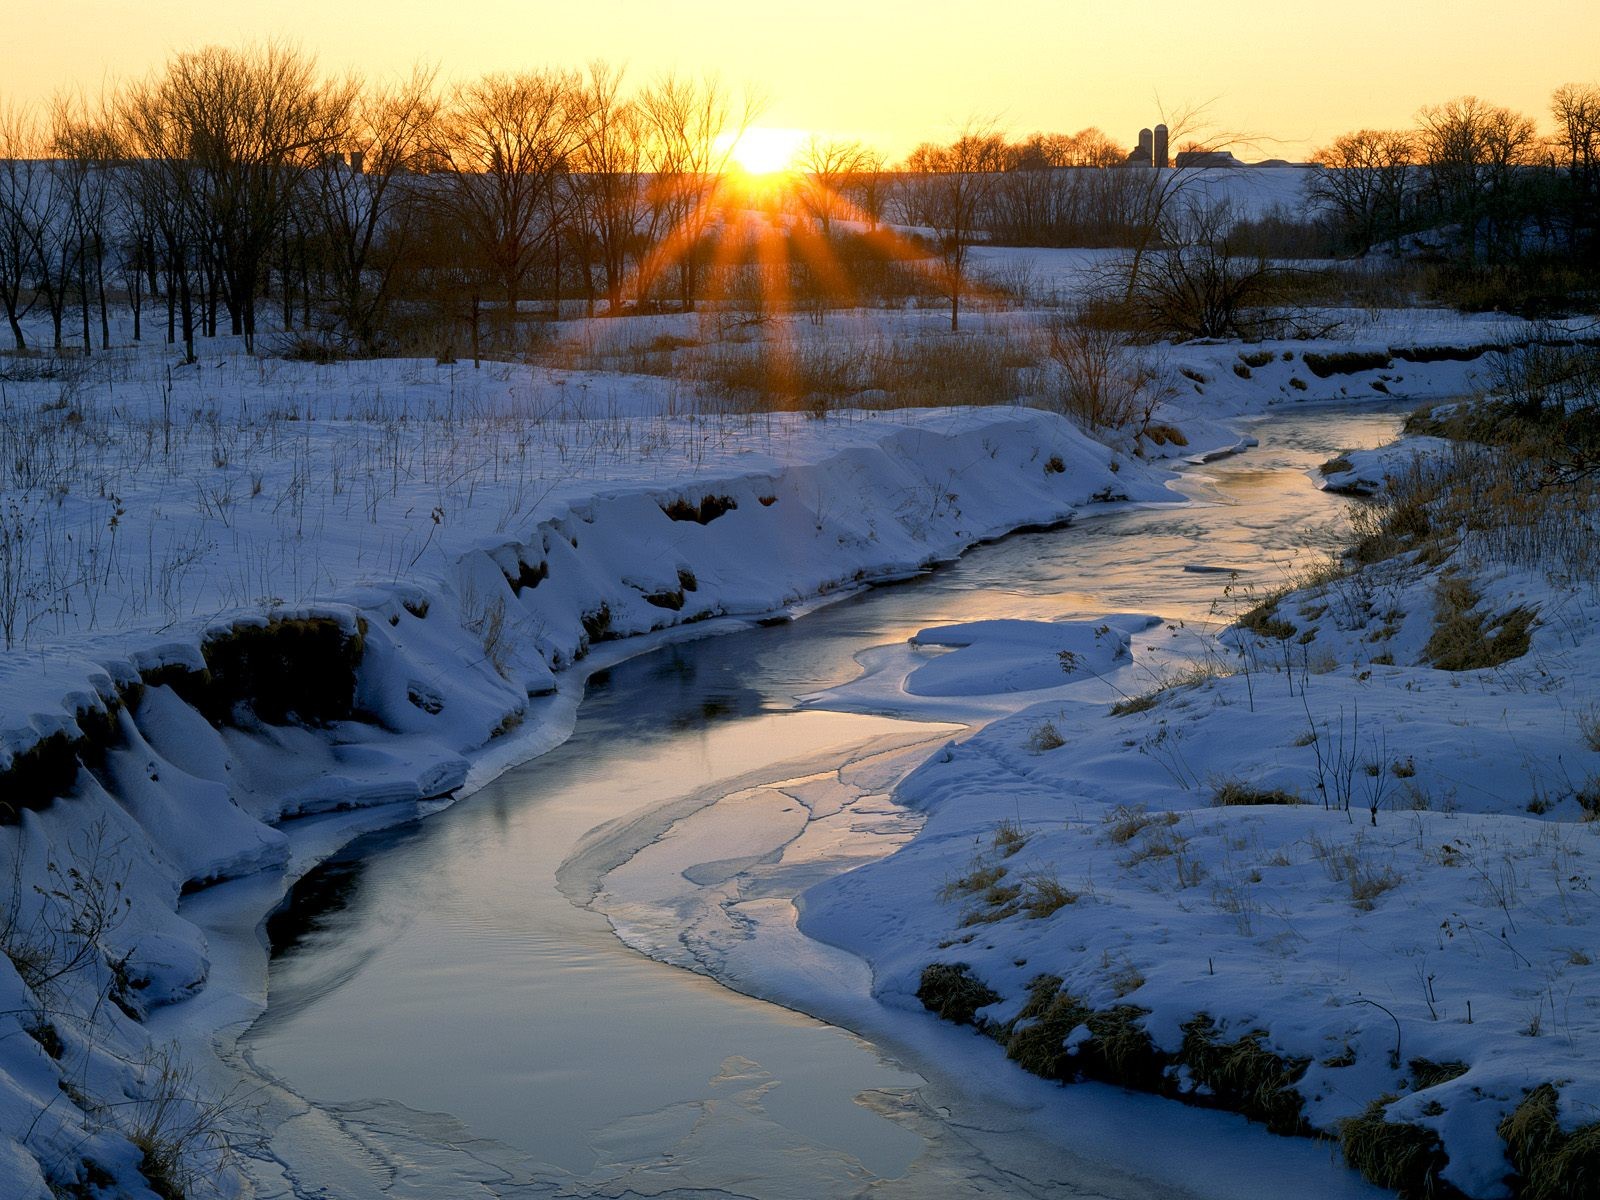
(1045, 736)
(1465, 639)
(981, 877)
(1043, 893)
(1245, 1076)
(1231, 792)
(1009, 838)
(953, 992)
(1589, 726)
(1353, 865)
(1406, 1158)
(1554, 1164)
(779, 368)
(1136, 704)
(1127, 821)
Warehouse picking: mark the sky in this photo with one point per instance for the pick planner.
(1276, 78)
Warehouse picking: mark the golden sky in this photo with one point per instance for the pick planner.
(895, 72)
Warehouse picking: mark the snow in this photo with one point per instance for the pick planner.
(1438, 865)
(481, 531)
(1019, 656)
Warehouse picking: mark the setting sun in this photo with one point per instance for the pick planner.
(764, 151)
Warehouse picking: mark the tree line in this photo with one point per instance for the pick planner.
(381, 216)
(235, 179)
(1480, 180)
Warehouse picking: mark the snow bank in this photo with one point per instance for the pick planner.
(205, 738)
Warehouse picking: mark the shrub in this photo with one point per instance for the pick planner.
(1104, 383)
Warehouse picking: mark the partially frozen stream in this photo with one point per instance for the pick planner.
(459, 1026)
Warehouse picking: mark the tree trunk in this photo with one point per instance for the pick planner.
(100, 287)
(186, 304)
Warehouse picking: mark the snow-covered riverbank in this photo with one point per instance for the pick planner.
(453, 545)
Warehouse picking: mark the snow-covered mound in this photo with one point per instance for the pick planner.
(986, 657)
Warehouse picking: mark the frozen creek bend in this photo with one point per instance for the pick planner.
(493, 1002)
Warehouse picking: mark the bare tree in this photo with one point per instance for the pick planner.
(868, 188)
(1473, 153)
(364, 204)
(84, 156)
(693, 128)
(608, 181)
(825, 168)
(237, 133)
(1576, 109)
(954, 183)
(504, 143)
(158, 196)
(1196, 286)
(1366, 183)
(1154, 197)
(24, 193)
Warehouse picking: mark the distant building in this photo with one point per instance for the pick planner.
(1143, 155)
(1153, 151)
(1207, 158)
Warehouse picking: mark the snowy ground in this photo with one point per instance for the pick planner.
(473, 534)
(1384, 867)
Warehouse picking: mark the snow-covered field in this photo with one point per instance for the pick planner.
(411, 557)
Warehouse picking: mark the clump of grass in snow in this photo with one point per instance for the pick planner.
(953, 992)
(1043, 893)
(1352, 864)
(1045, 736)
(1554, 1163)
(1246, 1076)
(1009, 837)
(1127, 821)
(980, 878)
(1232, 792)
(1404, 1157)
(1589, 726)
(1464, 639)
(1135, 704)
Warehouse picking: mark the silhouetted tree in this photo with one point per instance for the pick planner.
(1367, 183)
(503, 146)
(365, 207)
(954, 183)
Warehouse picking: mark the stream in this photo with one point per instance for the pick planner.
(453, 1013)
